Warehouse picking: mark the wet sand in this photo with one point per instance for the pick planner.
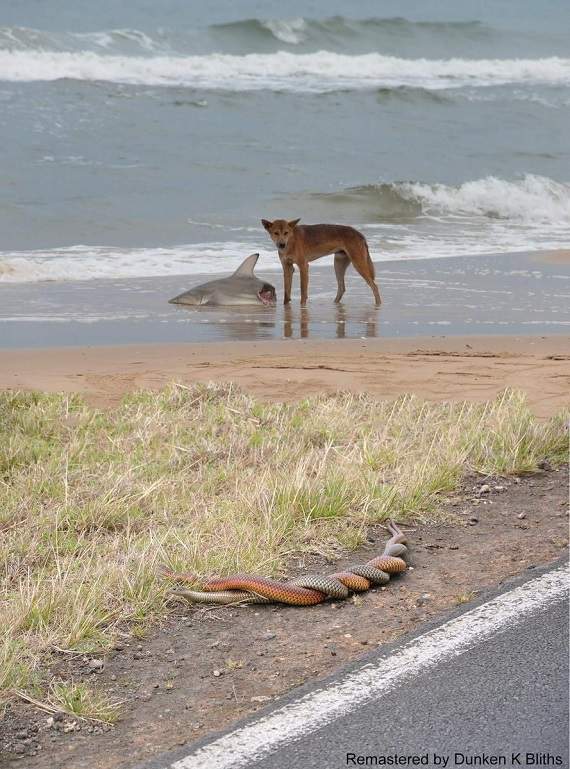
(453, 368)
(508, 294)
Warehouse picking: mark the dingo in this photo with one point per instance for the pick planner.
(303, 244)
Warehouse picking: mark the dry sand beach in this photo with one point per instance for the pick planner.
(455, 368)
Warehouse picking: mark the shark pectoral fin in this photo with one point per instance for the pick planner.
(247, 267)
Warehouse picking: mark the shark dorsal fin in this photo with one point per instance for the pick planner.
(247, 267)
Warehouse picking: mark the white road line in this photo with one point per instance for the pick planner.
(257, 740)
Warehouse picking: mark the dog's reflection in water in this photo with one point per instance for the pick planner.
(349, 323)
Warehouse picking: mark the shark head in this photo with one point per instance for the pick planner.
(242, 287)
(245, 273)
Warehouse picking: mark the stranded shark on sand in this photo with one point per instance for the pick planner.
(240, 288)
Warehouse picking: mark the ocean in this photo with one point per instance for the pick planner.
(148, 138)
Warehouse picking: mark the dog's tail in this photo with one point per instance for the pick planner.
(370, 262)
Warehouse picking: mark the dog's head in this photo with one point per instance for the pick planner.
(280, 231)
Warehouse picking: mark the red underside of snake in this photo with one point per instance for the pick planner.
(302, 591)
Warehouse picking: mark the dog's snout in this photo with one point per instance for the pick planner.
(281, 244)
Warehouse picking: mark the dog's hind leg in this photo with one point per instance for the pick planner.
(364, 265)
(304, 275)
(341, 262)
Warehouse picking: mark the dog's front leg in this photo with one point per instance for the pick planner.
(287, 281)
(304, 273)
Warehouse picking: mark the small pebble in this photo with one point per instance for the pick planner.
(521, 516)
(473, 520)
(484, 489)
(217, 673)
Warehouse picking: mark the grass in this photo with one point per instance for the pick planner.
(82, 701)
(465, 597)
(76, 699)
(206, 479)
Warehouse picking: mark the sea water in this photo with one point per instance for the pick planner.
(149, 138)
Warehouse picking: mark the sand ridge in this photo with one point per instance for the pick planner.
(436, 368)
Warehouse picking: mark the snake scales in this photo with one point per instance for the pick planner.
(301, 591)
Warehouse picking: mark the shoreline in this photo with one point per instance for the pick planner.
(498, 294)
(434, 368)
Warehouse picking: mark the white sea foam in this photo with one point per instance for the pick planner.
(387, 242)
(105, 262)
(289, 31)
(531, 199)
(106, 39)
(318, 72)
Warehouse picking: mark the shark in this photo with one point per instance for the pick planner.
(241, 287)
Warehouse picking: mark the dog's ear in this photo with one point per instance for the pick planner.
(294, 222)
(267, 224)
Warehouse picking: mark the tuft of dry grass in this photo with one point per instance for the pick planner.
(465, 597)
(206, 479)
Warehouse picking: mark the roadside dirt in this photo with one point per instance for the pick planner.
(204, 668)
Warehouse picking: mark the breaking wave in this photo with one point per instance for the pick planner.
(123, 40)
(315, 72)
(531, 199)
(289, 31)
(339, 28)
(253, 32)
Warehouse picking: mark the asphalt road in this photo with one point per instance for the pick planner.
(486, 688)
(508, 696)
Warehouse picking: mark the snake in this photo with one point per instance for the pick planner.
(301, 591)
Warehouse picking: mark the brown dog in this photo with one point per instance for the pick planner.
(301, 244)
